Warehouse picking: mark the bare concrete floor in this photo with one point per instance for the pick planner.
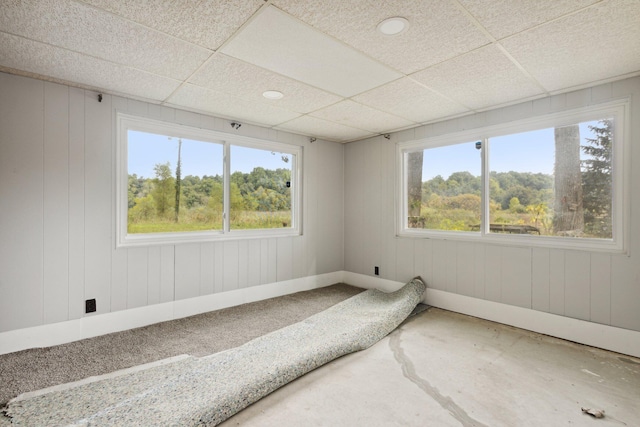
(445, 369)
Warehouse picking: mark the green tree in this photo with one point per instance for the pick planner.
(163, 189)
(596, 180)
(178, 172)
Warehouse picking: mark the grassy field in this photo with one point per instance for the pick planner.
(244, 220)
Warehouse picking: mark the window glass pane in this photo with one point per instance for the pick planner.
(444, 188)
(260, 188)
(554, 181)
(175, 184)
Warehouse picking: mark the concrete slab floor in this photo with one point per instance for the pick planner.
(446, 369)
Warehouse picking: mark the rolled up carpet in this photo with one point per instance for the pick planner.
(206, 391)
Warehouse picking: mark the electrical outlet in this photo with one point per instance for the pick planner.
(377, 270)
(90, 305)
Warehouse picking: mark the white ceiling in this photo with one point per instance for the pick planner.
(342, 80)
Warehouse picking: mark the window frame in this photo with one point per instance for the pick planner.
(126, 122)
(621, 170)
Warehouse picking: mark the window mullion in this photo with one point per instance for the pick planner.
(226, 188)
(486, 197)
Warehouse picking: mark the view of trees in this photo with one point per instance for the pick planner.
(574, 201)
(168, 202)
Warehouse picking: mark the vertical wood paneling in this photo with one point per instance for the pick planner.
(230, 274)
(21, 207)
(98, 200)
(254, 266)
(419, 258)
(479, 270)
(450, 266)
(404, 259)
(427, 271)
(540, 279)
(218, 266)
(122, 286)
(389, 242)
(625, 292)
(264, 261)
(272, 260)
(556, 281)
(167, 274)
(56, 204)
(243, 264)
(285, 258)
(187, 270)
(439, 274)
(137, 277)
(207, 275)
(600, 288)
(329, 214)
(154, 276)
(516, 277)
(465, 269)
(76, 204)
(493, 273)
(577, 298)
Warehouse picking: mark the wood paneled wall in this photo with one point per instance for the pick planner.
(57, 213)
(593, 286)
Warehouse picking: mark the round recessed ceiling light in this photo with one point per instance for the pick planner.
(393, 26)
(272, 94)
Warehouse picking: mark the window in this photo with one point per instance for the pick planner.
(178, 184)
(555, 181)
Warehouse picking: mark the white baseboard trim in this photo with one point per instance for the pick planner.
(95, 325)
(620, 340)
(611, 338)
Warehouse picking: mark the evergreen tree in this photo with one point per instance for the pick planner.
(596, 180)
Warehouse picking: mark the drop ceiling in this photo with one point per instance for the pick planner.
(342, 80)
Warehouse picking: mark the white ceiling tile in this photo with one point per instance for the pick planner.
(225, 74)
(34, 57)
(437, 30)
(408, 99)
(276, 41)
(479, 79)
(362, 117)
(313, 126)
(506, 17)
(85, 29)
(225, 105)
(597, 43)
(206, 23)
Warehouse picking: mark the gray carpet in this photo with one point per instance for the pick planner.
(199, 335)
(206, 391)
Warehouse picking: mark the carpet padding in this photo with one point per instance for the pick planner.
(208, 390)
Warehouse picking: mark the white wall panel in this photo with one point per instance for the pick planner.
(405, 259)
(187, 270)
(577, 295)
(516, 277)
(253, 261)
(540, 279)
(98, 200)
(137, 277)
(76, 204)
(154, 275)
(120, 279)
(56, 204)
(479, 271)
(285, 259)
(439, 273)
(600, 288)
(231, 265)
(243, 264)
(218, 266)
(21, 207)
(207, 275)
(556, 281)
(493, 273)
(465, 269)
(167, 274)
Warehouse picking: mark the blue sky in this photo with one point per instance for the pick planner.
(198, 158)
(524, 152)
